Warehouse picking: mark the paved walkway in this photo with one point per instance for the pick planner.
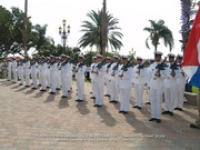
(33, 120)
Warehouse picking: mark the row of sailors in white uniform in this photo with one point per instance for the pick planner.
(169, 82)
(116, 85)
(51, 74)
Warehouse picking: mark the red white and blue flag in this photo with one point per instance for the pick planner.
(191, 60)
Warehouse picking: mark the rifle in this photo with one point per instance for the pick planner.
(142, 65)
(128, 65)
(161, 66)
(80, 65)
(115, 67)
(125, 67)
(99, 66)
(108, 66)
(174, 66)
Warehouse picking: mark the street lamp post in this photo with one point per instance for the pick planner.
(132, 52)
(64, 33)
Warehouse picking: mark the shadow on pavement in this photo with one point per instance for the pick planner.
(50, 98)
(29, 91)
(106, 116)
(82, 108)
(16, 86)
(39, 94)
(21, 89)
(63, 103)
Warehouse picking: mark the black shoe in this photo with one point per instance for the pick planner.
(96, 105)
(176, 108)
(121, 111)
(33, 88)
(152, 119)
(148, 103)
(99, 106)
(107, 95)
(165, 112)
(57, 88)
(171, 113)
(115, 101)
(48, 87)
(92, 97)
(139, 107)
(194, 126)
(158, 120)
(135, 106)
(180, 109)
(63, 96)
(39, 85)
(20, 84)
(125, 112)
(112, 101)
(8, 80)
(42, 90)
(52, 93)
(26, 85)
(68, 91)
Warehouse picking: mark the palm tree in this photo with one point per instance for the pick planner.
(104, 28)
(39, 40)
(158, 31)
(92, 32)
(188, 12)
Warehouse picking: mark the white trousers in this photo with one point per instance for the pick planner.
(53, 78)
(58, 80)
(15, 75)
(65, 84)
(43, 76)
(93, 88)
(180, 97)
(139, 89)
(114, 90)
(21, 76)
(80, 87)
(27, 76)
(9, 75)
(170, 96)
(99, 87)
(48, 78)
(125, 95)
(34, 78)
(108, 86)
(156, 100)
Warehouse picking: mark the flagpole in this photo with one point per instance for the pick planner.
(196, 124)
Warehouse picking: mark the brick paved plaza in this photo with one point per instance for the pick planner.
(34, 120)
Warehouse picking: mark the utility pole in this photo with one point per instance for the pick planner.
(104, 26)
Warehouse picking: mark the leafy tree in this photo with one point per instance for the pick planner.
(92, 32)
(158, 31)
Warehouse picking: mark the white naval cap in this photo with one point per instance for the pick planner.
(94, 57)
(99, 56)
(158, 53)
(171, 55)
(179, 56)
(124, 57)
(64, 55)
(139, 58)
(116, 57)
(81, 56)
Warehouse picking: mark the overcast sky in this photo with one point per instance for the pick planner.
(133, 16)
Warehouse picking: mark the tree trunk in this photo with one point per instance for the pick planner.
(104, 24)
(25, 29)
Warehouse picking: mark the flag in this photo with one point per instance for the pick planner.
(191, 60)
